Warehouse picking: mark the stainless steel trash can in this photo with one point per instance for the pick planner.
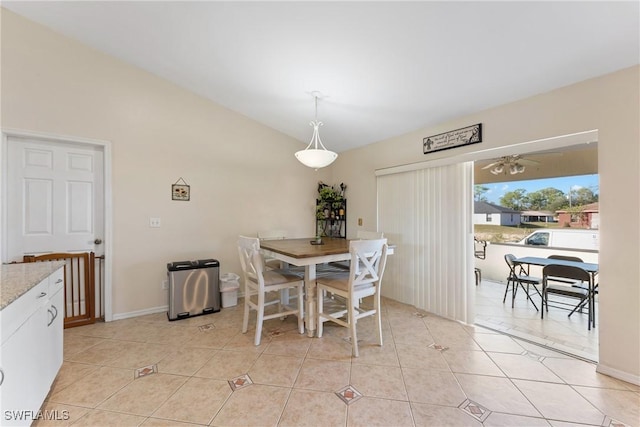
(194, 288)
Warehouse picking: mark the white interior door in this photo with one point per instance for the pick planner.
(55, 197)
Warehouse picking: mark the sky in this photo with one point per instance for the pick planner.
(564, 184)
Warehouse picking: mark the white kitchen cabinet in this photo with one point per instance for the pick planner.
(23, 386)
(55, 325)
(31, 353)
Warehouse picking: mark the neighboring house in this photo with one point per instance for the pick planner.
(488, 213)
(587, 216)
(537, 216)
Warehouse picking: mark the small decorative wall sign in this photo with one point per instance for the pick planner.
(180, 191)
(452, 139)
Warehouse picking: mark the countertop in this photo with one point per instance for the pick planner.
(17, 279)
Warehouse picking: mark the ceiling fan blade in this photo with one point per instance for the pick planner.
(518, 159)
(490, 165)
(546, 153)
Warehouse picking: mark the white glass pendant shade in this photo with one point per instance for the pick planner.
(315, 158)
(497, 170)
(316, 155)
(516, 168)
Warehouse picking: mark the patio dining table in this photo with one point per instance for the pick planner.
(589, 267)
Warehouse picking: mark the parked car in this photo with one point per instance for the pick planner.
(563, 238)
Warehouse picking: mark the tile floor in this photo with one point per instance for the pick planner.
(431, 371)
(556, 330)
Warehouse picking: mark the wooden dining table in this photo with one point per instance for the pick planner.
(301, 252)
(589, 267)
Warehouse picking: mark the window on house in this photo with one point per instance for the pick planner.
(488, 217)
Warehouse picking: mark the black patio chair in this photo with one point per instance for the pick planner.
(519, 277)
(480, 252)
(554, 272)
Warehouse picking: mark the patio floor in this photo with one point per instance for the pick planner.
(556, 330)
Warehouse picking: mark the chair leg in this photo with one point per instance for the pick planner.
(352, 326)
(529, 297)
(247, 309)
(284, 298)
(379, 318)
(319, 322)
(259, 318)
(579, 306)
(300, 310)
(592, 313)
(506, 290)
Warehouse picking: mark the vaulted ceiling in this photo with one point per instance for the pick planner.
(383, 68)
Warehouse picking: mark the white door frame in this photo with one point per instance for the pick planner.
(108, 206)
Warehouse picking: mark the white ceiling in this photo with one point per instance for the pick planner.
(385, 68)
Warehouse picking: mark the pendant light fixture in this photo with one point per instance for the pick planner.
(316, 155)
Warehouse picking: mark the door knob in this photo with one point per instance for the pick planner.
(97, 241)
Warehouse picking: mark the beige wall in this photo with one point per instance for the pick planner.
(609, 104)
(244, 176)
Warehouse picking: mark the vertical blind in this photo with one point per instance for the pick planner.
(427, 214)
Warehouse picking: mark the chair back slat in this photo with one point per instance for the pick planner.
(368, 260)
(369, 235)
(272, 235)
(251, 259)
(565, 272)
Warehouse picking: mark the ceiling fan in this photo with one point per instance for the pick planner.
(514, 164)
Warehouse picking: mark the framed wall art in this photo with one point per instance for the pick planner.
(180, 191)
(452, 139)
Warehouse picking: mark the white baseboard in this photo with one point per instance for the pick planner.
(152, 310)
(616, 373)
(144, 312)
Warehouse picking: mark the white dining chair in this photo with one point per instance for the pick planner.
(368, 260)
(272, 263)
(272, 235)
(258, 282)
(360, 235)
(276, 264)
